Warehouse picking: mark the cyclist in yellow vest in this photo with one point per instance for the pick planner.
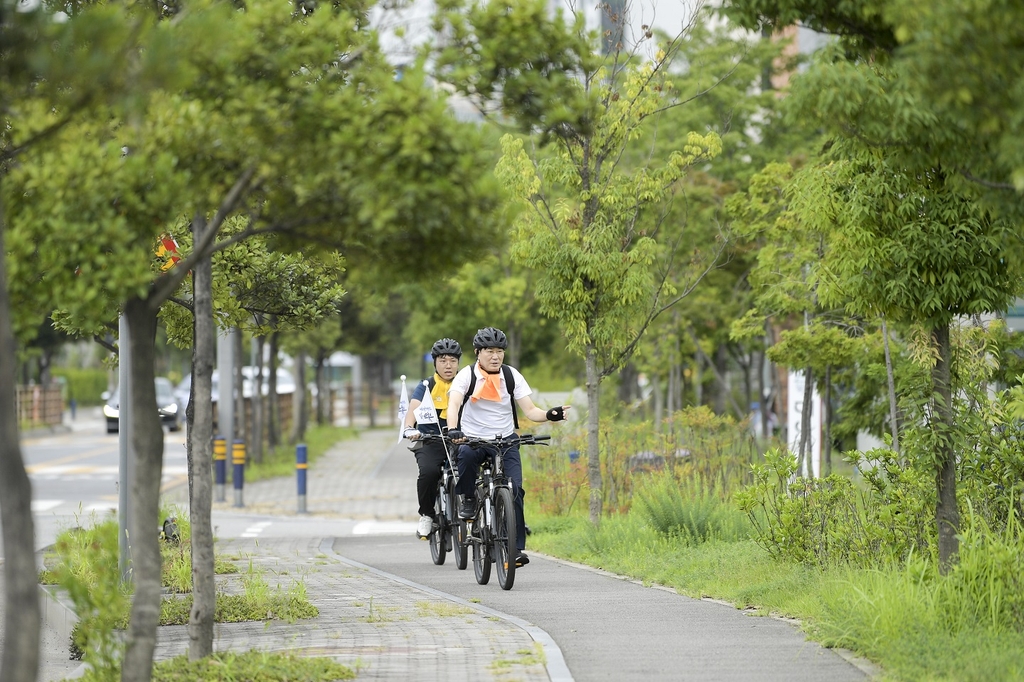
(430, 455)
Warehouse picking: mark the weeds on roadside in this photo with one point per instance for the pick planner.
(252, 665)
(691, 509)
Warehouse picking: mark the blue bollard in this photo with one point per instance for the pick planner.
(238, 475)
(220, 467)
(300, 474)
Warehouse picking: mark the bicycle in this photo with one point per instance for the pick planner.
(492, 532)
(449, 529)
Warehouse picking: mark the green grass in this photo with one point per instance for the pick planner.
(896, 617)
(280, 461)
(254, 666)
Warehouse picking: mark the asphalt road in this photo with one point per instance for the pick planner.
(75, 474)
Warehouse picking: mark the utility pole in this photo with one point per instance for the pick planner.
(126, 456)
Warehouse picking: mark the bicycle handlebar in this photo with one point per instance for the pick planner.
(498, 441)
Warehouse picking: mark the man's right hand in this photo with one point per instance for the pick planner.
(412, 434)
(455, 435)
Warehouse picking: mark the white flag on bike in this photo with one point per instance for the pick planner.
(403, 409)
(426, 413)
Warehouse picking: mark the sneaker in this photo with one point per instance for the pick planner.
(522, 560)
(425, 527)
(468, 510)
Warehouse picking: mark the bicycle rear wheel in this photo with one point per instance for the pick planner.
(505, 538)
(482, 549)
(438, 539)
(460, 544)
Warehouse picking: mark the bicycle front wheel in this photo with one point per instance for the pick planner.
(505, 538)
(482, 549)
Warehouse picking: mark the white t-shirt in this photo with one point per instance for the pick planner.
(487, 418)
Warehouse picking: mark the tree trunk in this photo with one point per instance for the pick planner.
(593, 442)
(20, 661)
(300, 416)
(698, 376)
(322, 395)
(200, 465)
(723, 391)
(893, 423)
(258, 401)
(148, 443)
(659, 406)
(947, 514)
(826, 445)
(274, 413)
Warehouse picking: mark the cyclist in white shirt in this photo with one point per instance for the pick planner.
(481, 405)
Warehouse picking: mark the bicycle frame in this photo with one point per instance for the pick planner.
(489, 540)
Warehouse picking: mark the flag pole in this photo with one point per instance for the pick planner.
(437, 419)
(403, 409)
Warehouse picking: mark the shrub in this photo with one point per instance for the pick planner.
(830, 521)
(689, 509)
(84, 385)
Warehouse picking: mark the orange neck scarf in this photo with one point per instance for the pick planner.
(488, 388)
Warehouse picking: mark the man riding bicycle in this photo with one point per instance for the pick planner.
(430, 455)
(481, 405)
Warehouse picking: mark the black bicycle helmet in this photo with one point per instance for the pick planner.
(489, 337)
(446, 347)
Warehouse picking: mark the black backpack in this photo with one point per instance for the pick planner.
(510, 384)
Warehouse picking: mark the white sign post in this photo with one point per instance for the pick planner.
(794, 412)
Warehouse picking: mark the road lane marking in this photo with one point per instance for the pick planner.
(70, 458)
(39, 506)
(255, 529)
(384, 528)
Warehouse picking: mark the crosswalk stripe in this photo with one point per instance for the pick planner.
(73, 470)
(45, 505)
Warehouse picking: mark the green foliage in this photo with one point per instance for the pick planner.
(256, 602)
(906, 244)
(88, 570)
(281, 460)
(83, 385)
(176, 557)
(826, 522)
(692, 444)
(519, 55)
(253, 666)
(690, 509)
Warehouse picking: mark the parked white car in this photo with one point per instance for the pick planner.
(285, 384)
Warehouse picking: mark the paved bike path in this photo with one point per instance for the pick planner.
(608, 628)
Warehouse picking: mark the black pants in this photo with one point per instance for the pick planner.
(429, 458)
(470, 460)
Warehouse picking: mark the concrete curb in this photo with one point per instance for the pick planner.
(59, 617)
(554, 662)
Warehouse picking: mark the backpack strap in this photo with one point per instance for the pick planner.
(510, 384)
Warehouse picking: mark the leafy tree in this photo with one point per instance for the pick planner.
(914, 245)
(52, 71)
(588, 226)
(273, 121)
